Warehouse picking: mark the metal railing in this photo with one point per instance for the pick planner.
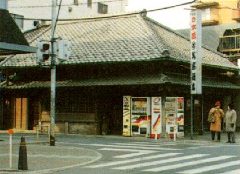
(228, 44)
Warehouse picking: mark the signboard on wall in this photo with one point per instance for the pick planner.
(156, 110)
(126, 116)
(196, 52)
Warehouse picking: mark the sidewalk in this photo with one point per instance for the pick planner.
(43, 158)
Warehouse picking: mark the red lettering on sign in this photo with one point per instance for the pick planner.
(194, 36)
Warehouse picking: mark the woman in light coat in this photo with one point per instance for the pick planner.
(215, 127)
(230, 120)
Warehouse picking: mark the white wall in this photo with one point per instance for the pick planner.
(42, 9)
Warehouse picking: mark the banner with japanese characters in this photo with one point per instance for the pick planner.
(196, 51)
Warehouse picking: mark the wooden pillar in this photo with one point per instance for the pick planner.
(236, 102)
(1, 113)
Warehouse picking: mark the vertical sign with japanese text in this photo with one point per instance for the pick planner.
(196, 51)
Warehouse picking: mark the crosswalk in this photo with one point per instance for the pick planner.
(153, 158)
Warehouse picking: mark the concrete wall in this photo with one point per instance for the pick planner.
(222, 14)
(42, 9)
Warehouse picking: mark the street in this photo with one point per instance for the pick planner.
(117, 155)
(137, 157)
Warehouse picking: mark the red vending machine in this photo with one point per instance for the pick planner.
(140, 116)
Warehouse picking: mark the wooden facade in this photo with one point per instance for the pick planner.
(96, 108)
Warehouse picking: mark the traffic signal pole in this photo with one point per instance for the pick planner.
(53, 75)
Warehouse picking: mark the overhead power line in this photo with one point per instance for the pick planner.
(112, 16)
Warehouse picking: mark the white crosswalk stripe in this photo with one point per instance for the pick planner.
(151, 163)
(137, 152)
(191, 163)
(134, 146)
(153, 157)
(133, 160)
(211, 167)
(145, 145)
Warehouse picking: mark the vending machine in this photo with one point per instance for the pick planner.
(174, 108)
(140, 115)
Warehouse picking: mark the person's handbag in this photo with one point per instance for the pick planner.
(211, 118)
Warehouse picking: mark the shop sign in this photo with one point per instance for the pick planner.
(196, 52)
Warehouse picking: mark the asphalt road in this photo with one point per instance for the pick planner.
(145, 156)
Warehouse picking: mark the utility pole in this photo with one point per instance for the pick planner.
(53, 74)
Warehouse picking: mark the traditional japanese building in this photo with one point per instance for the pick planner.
(112, 58)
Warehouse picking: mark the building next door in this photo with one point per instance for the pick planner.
(20, 113)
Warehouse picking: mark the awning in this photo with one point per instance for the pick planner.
(156, 79)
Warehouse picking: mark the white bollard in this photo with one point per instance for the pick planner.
(10, 151)
(174, 133)
(37, 132)
(10, 132)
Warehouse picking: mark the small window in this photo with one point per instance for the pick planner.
(75, 2)
(89, 3)
(102, 8)
(206, 14)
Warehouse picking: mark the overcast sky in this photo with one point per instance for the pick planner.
(175, 18)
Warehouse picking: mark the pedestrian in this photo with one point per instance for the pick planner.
(230, 121)
(217, 114)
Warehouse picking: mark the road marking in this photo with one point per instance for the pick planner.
(137, 152)
(125, 150)
(144, 145)
(212, 167)
(128, 146)
(169, 167)
(131, 155)
(232, 172)
(166, 143)
(151, 163)
(133, 160)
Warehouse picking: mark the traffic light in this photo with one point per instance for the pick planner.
(43, 51)
(63, 50)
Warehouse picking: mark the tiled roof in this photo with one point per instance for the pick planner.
(155, 79)
(179, 47)
(117, 39)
